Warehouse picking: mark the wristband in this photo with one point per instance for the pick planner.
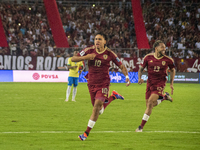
(127, 77)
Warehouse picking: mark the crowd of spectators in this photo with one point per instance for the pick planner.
(176, 22)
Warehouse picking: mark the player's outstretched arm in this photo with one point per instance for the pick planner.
(140, 81)
(59, 68)
(71, 67)
(172, 75)
(81, 58)
(125, 72)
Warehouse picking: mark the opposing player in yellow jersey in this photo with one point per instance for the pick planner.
(74, 68)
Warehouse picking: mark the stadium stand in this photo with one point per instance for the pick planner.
(28, 33)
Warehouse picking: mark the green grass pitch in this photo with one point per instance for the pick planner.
(34, 116)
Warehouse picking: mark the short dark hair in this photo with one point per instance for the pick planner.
(157, 43)
(102, 34)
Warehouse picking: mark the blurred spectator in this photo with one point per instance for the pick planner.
(197, 44)
(182, 66)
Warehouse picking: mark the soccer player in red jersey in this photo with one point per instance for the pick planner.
(99, 57)
(157, 64)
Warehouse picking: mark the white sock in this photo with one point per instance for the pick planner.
(91, 123)
(74, 93)
(68, 92)
(145, 117)
(159, 101)
(101, 111)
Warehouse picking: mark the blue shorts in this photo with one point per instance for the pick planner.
(73, 80)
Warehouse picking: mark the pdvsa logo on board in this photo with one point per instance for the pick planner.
(36, 76)
(46, 76)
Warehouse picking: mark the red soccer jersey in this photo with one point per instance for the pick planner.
(157, 67)
(99, 67)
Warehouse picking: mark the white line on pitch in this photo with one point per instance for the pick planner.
(25, 132)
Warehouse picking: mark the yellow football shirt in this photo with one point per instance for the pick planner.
(74, 72)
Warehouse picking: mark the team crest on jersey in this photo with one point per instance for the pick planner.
(151, 60)
(105, 56)
(163, 63)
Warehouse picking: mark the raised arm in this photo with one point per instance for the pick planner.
(125, 72)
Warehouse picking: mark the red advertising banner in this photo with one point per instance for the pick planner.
(8, 62)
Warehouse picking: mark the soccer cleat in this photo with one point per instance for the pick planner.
(168, 97)
(83, 136)
(66, 100)
(117, 95)
(139, 129)
(73, 100)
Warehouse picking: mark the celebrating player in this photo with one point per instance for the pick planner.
(73, 76)
(99, 57)
(157, 64)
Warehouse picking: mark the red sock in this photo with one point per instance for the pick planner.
(88, 130)
(110, 99)
(143, 123)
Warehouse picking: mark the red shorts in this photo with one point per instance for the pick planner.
(99, 92)
(155, 88)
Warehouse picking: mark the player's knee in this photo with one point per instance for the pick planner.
(150, 103)
(97, 106)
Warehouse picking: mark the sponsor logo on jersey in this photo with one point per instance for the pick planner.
(163, 63)
(105, 56)
(151, 60)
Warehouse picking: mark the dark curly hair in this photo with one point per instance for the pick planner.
(157, 43)
(102, 34)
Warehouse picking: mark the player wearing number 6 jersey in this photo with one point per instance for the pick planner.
(99, 57)
(157, 64)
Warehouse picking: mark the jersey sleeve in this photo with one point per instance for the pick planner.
(171, 64)
(84, 51)
(145, 62)
(115, 59)
(69, 62)
(81, 63)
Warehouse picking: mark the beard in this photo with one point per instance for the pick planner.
(161, 54)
